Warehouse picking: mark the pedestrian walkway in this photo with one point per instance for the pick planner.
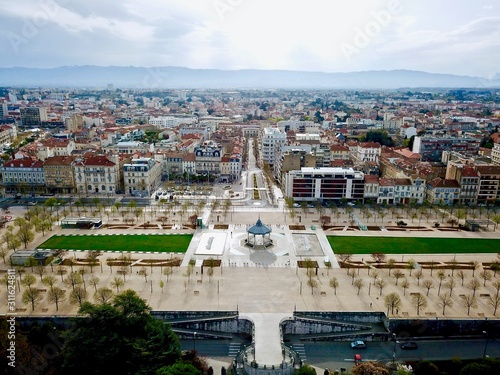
(267, 337)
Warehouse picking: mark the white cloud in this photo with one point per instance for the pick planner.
(236, 34)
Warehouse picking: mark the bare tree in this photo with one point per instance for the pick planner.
(486, 276)
(411, 265)
(390, 264)
(352, 274)
(494, 301)
(3, 252)
(358, 283)
(397, 275)
(61, 271)
(381, 284)
(450, 284)
(94, 281)
(313, 284)
(31, 296)
(73, 279)
(374, 275)
(496, 285)
(428, 284)
(418, 275)
(453, 265)
(92, 258)
(473, 285)
(103, 295)
(474, 265)
(78, 295)
(461, 274)
(445, 301)
(405, 284)
(469, 301)
(168, 271)
(56, 295)
(144, 272)
(392, 301)
(117, 282)
(49, 281)
(345, 259)
(334, 283)
(441, 277)
(40, 271)
(419, 301)
(28, 281)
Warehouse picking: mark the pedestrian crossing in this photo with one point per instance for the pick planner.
(300, 350)
(234, 349)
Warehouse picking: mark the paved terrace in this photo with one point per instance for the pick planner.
(266, 285)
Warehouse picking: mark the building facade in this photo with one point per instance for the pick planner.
(324, 184)
(141, 176)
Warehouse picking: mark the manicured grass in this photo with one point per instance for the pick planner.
(177, 243)
(398, 245)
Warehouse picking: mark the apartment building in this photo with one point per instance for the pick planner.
(33, 117)
(366, 151)
(495, 154)
(442, 191)
(23, 176)
(323, 184)
(141, 176)
(386, 191)
(489, 184)
(431, 148)
(272, 141)
(165, 122)
(207, 158)
(7, 133)
(372, 187)
(293, 159)
(98, 174)
(467, 178)
(339, 152)
(59, 174)
(54, 147)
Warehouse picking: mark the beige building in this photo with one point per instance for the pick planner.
(59, 174)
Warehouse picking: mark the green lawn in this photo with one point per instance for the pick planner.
(177, 243)
(398, 245)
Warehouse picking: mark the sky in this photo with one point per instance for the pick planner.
(437, 36)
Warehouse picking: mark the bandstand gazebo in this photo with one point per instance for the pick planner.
(256, 231)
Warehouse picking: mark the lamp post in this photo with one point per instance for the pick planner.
(485, 344)
(194, 342)
(394, 349)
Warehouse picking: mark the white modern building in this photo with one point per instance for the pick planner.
(272, 141)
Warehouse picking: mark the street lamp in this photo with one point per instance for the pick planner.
(194, 342)
(394, 349)
(485, 344)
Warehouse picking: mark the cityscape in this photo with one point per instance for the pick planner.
(181, 196)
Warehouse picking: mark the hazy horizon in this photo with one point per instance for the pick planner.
(314, 36)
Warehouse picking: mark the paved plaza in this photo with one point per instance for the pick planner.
(266, 282)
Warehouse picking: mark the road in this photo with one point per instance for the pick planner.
(336, 355)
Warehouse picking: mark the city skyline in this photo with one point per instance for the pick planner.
(239, 34)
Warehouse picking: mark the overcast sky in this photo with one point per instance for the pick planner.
(438, 36)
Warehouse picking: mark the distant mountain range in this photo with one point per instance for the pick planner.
(177, 77)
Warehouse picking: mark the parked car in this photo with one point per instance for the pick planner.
(296, 205)
(357, 359)
(358, 344)
(409, 345)
(310, 205)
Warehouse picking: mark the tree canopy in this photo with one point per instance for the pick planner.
(119, 338)
(380, 136)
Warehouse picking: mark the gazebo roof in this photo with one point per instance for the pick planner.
(259, 228)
